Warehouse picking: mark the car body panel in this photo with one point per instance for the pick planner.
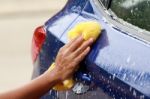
(118, 62)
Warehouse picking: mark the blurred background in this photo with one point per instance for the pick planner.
(18, 20)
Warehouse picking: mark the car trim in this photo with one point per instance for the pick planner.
(126, 28)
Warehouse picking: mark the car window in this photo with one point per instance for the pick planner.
(136, 12)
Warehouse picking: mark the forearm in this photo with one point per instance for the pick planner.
(67, 62)
(34, 89)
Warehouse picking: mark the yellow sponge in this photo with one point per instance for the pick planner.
(90, 29)
(65, 85)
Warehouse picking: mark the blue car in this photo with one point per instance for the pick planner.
(118, 65)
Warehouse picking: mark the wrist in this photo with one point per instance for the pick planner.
(53, 76)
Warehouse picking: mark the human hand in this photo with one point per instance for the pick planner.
(69, 56)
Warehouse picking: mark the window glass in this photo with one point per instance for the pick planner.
(136, 12)
(105, 2)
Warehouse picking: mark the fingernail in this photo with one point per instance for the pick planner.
(91, 39)
(80, 36)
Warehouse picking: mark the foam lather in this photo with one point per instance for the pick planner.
(89, 29)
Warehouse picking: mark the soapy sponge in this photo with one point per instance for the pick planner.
(65, 85)
(90, 29)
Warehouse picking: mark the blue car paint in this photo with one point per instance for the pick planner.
(118, 63)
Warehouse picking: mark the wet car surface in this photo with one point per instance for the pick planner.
(118, 65)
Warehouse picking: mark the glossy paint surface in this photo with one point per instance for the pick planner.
(118, 63)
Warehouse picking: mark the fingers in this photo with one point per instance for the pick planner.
(70, 43)
(82, 55)
(75, 44)
(83, 47)
(68, 58)
(65, 47)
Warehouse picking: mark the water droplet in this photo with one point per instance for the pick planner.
(50, 92)
(124, 76)
(120, 68)
(104, 19)
(57, 95)
(134, 93)
(128, 59)
(131, 11)
(109, 77)
(109, 90)
(141, 84)
(130, 89)
(66, 94)
(114, 75)
(114, 96)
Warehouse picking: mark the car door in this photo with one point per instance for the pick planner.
(118, 64)
(119, 60)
